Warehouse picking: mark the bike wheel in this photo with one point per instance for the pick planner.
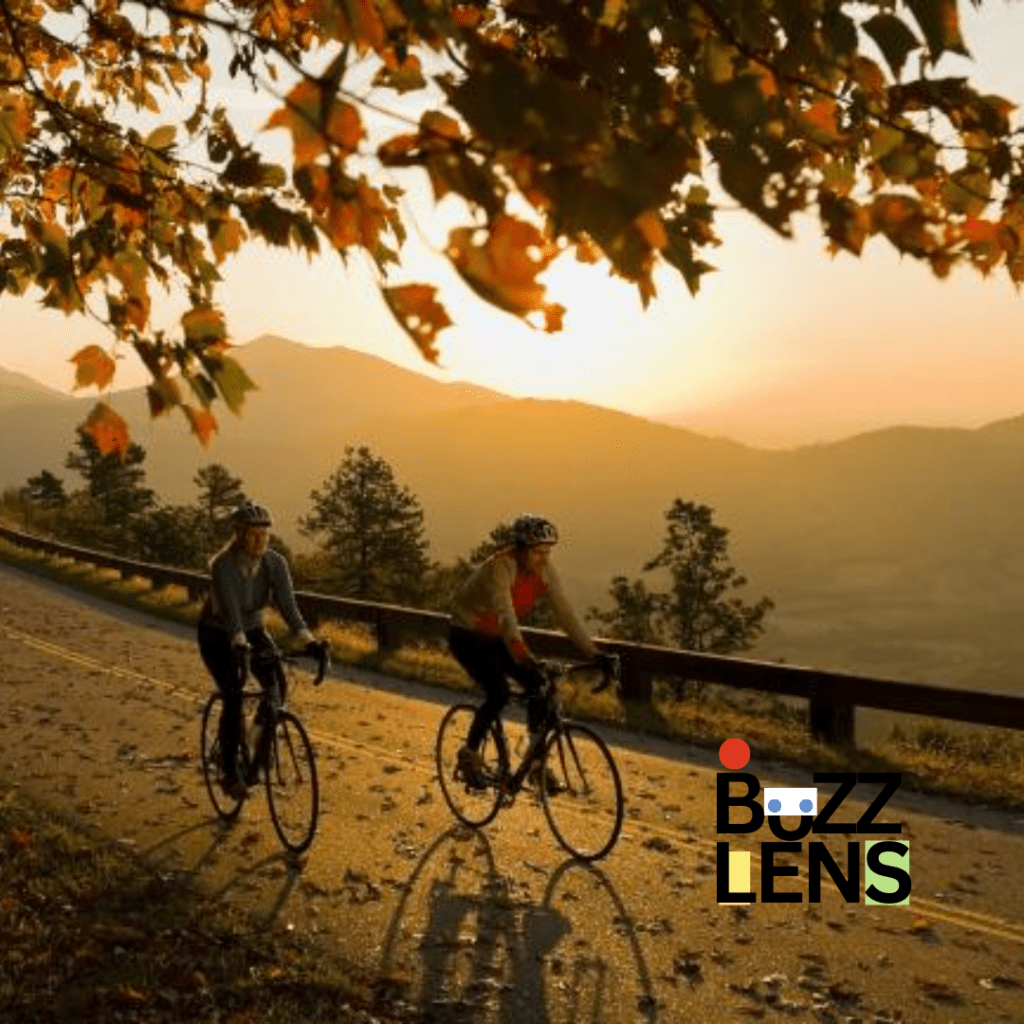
(227, 807)
(582, 793)
(293, 792)
(471, 805)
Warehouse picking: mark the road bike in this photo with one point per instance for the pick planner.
(579, 783)
(273, 746)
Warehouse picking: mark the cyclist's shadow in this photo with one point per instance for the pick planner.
(462, 947)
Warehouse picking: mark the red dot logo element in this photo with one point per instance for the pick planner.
(734, 753)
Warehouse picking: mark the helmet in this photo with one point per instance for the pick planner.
(528, 530)
(250, 514)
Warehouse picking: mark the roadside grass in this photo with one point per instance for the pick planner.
(90, 933)
(967, 763)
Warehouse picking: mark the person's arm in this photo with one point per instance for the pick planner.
(226, 581)
(503, 575)
(566, 614)
(284, 596)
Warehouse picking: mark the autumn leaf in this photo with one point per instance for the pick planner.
(420, 315)
(15, 120)
(202, 422)
(343, 126)
(504, 268)
(232, 381)
(404, 77)
(203, 326)
(92, 367)
(108, 430)
(302, 115)
(940, 23)
(894, 39)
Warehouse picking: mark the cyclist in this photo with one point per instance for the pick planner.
(484, 634)
(246, 576)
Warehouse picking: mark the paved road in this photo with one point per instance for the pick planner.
(101, 718)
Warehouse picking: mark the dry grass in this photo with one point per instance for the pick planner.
(972, 764)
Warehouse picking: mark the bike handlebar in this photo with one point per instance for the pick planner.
(609, 664)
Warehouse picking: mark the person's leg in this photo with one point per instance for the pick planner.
(480, 656)
(262, 660)
(215, 650)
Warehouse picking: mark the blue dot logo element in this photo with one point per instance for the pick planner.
(790, 801)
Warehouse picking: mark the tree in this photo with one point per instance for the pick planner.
(699, 612)
(372, 530)
(219, 493)
(599, 127)
(115, 483)
(46, 490)
(172, 535)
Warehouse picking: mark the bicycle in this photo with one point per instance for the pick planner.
(273, 745)
(579, 783)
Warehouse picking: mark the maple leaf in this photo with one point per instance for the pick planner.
(202, 422)
(504, 268)
(420, 315)
(92, 366)
(108, 430)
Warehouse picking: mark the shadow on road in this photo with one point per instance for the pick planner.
(467, 945)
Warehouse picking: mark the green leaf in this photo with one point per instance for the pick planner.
(940, 23)
(233, 382)
(894, 39)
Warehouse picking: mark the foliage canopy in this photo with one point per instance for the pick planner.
(594, 127)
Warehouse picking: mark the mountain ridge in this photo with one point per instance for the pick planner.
(894, 552)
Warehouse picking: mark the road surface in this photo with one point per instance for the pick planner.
(101, 718)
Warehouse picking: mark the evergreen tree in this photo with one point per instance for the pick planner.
(372, 530)
(700, 611)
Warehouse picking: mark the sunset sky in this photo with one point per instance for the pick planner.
(782, 345)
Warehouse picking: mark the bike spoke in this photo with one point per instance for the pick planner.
(581, 792)
(474, 805)
(292, 788)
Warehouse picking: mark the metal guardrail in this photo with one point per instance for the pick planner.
(832, 696)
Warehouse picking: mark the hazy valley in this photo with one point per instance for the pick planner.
(893, 553)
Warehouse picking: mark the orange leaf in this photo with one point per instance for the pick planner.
(344, 126)
(302, 115)
(420, 314)
(204, 326)
(503, 270)
(649, 225)
(821, 117)
(107, 429)
(92, 366)
(19, 839)
(203, 423)
(433, 122)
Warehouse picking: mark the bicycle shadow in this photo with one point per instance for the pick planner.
(466, 944)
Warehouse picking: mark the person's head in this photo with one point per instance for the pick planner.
(533, 537)
(252, 524)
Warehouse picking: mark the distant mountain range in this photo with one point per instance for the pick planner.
(892, 553)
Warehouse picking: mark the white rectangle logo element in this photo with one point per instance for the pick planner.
(790, 801)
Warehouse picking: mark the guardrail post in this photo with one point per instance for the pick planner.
(831, 717)
(635, 681)
(388, 638)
